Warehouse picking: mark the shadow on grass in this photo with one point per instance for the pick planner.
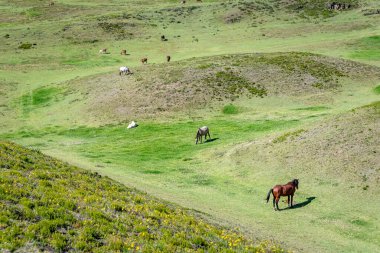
(211, 140)
(302, 204)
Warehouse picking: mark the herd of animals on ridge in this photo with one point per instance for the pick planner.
(278, 190)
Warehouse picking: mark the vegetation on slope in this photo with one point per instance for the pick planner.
(209, 81)
(316, 8)
(337, 161)
(345, 148)
(46, 204)
(44, 46)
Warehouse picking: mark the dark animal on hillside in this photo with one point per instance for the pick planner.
(202, 131)
(51, 3)
(144, 60)
(339, 6)
(163, 38)
(123, 52)
(103, 51)
(283, 190)
(168, 58)
(183, 1)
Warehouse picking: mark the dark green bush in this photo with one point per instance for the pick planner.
(25, 46)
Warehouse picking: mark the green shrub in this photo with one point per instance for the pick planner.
(230, 109)
(232, 85)
(377, 89)
(25, 46)
(59, 242)
(291, 135)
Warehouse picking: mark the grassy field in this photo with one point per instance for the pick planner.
(37, 216)
(289, 90)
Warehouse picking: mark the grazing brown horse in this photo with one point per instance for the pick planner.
(144, 60)
(202, 131)
(168, 58)
(283, 190)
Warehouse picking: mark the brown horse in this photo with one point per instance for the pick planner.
(168, 58)
(283, 190)
(202, 131)
(144, 60)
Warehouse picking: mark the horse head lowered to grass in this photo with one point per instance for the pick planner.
(283, 190)
(202, 131)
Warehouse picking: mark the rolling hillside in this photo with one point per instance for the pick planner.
(289, 89)
(48, 205)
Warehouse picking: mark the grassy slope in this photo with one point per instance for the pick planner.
(221, 178)
(159, 157)
(46, 204)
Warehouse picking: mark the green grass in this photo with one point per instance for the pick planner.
(56, 208)
(377, 89)
(33, 12)
(63, 97)
(368, 48)
(230, 109)
(313, 108)
(289, 135)
(39, 97)
(112, 144)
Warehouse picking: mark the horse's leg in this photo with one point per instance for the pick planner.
(291, 203)
(288, 200)
(274, 202)
(277, 199)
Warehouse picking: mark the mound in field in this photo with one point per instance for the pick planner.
(48, 205)
(201, 82)
(343, 149)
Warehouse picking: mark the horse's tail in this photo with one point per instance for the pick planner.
(268, 195)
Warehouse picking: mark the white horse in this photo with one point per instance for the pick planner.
(132, 125)
(202, 131)
(124, 70)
